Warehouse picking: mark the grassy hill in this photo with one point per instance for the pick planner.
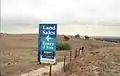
(104, 62)
(18, 53)
(101, 59)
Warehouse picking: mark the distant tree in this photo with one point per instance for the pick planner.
(87, 37)
(77, 36)
(66, 37)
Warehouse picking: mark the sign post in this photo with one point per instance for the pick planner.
(47, 43)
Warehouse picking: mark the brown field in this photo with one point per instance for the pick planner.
(18, 54)
(101, 62)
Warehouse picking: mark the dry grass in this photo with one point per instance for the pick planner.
(106, 62)
(19, 53)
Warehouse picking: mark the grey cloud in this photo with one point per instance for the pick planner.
(61, 21)
(83, 12)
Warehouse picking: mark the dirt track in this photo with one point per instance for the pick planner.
(44, 71)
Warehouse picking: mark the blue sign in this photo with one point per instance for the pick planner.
(47, 43)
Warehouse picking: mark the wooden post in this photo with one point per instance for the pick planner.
(64, 62)
(50, 70)
(70, 55)
(76, 53)
(83, 51)
(79, 51)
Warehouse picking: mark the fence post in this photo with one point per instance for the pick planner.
(83, 51)
(70, 55)
(64, 62)
(79, 50)
(50, 70)
(76, 53)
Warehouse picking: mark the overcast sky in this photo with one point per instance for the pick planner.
(91, 17)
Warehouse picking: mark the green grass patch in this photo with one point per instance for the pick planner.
(63, 46)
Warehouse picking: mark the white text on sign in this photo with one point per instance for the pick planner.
(49, 27)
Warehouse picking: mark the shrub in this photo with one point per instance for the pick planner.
(66, 38)
(63, 46)
(77, 36)
(87, 37)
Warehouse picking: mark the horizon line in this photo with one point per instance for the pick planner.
(57, 34)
